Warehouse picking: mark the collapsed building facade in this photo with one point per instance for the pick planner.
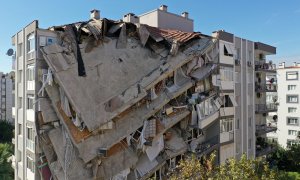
(128, 99)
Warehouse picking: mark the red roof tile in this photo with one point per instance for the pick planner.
(170, 34)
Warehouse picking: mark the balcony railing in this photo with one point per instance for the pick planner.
(207, 146)
(265, 67)
(264, 108)
(266, 88)
(226, 137)
(263, 129)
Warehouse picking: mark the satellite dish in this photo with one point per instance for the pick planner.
(10, 52)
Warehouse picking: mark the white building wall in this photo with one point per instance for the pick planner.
(283, 112)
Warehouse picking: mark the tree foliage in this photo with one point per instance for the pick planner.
(6, 131)
(6, 171)
(254, 169)
(286, 159)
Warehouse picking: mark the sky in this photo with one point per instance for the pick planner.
(274, 22)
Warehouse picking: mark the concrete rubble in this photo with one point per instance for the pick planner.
(123, 100)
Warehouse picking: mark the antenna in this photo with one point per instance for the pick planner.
(10, 52)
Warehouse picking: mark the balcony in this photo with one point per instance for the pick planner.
(226, 111)
(30, 115)
(265, 108)
(263, 129)
(266, 88)
(30, 145)
(207, 146)
(226, 137)
(20, 169)
(265, 67)
(30, 85)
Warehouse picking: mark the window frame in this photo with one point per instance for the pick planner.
(296, 95)
(296, 72)
(294, 124)
(292, 85)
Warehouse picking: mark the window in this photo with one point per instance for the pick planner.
(237, 124)
(293, 132)
(292, 121)
(227, 50)
(250, 121)
(227, 101)
(292, 75)
(30, 101)
(20, 50)
(30, 73)
(19, 129)
(30, 43)
(291, 142)
(249, 143)
(291, 87)
(226, 125)
(238, 53)
(30, 134)
(30, 164)
(292, 98)
(292, 109)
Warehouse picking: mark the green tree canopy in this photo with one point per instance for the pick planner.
(254, 169)
(6, 171)
(6, 131)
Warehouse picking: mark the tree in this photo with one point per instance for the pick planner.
(6, 171)
(286, 159)
(254, 169)
(6, 131)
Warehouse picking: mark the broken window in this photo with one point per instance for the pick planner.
(227, 50)
(31, 43)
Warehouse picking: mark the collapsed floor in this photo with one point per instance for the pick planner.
(122, 100)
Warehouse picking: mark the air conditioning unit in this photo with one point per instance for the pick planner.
(102, 152)
(237, 62)
(249, 63)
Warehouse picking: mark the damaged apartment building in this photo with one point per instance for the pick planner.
(128, 99)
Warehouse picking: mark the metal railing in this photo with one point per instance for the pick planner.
(264, 66)
(265, 87)
(207, 145)
(262, 108)
(264, 128)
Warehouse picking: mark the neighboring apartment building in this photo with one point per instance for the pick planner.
(289, 105)
(6, 97)
(116, 99)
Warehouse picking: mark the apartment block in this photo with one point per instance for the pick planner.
(289, 107)
(6, 97)
(105, 99)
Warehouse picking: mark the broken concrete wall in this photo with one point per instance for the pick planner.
(105, 75)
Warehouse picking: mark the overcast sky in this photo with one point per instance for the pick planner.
(274, 22)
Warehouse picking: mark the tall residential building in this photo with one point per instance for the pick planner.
(6, 97)
(128, 99)
(289, 105)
